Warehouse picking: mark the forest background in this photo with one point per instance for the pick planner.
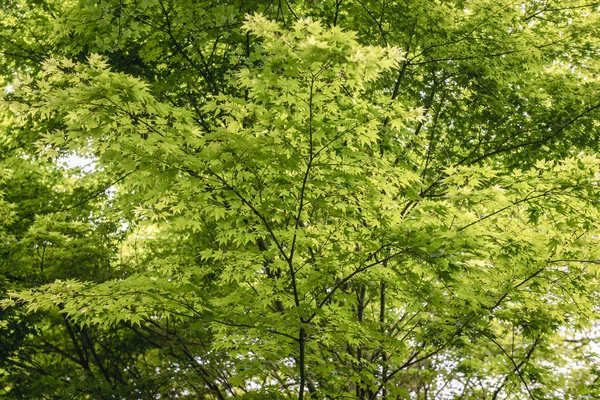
(319, 199)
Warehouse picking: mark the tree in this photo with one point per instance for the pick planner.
(300, 200)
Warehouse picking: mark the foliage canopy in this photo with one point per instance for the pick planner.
(299, 199)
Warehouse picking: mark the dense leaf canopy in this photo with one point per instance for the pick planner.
(303, 199)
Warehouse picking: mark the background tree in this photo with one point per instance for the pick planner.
(388, 200)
